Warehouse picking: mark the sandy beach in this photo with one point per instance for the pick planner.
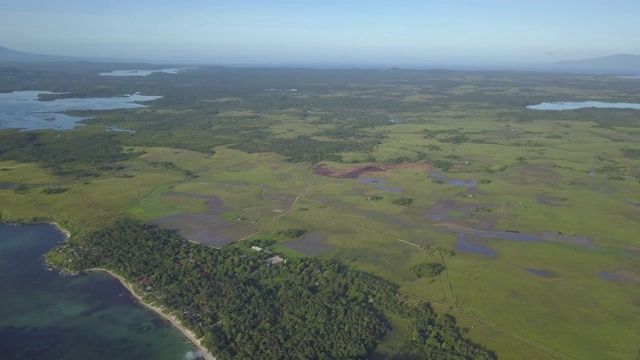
(203, 353)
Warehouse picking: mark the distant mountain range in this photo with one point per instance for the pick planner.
(613, 61)
(9, 55)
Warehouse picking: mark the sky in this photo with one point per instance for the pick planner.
(324, 31)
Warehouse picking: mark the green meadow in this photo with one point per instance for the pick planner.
(569, 179)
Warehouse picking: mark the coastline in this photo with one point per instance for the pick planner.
(202, 351)
(66, 232)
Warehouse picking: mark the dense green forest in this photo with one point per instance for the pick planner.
(245, 308)
(80, 154)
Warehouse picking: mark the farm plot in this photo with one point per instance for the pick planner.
(311, 245)
(206, 227)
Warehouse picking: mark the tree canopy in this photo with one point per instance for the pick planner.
(245, 308)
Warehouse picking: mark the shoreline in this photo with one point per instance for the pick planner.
(64, 231)
(202, 351)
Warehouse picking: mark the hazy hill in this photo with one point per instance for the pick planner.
(10, 55)
(613, 61)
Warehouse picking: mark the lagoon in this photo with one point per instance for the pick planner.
(584, 104)
(142, 72)
(44, 315)
(24, 110)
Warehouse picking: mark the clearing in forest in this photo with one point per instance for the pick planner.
(206, 227)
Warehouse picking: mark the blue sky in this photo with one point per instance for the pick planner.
(324, 32)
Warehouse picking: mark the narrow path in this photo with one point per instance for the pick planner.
(448, 287)
(84, 201)
(140, 188)
(391, 236)
(49, 175)
(554, 353)
(295, 176)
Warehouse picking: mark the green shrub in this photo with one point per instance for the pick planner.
(427, 269)
(403, 201)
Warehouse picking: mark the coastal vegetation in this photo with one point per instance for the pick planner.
(244, 307)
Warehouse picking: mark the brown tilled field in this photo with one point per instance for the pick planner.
(353, 172)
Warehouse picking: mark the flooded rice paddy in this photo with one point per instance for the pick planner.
(455, 182)
(311, 244)
(206, 227)
(377, 183)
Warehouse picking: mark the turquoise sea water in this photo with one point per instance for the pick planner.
(47, 316)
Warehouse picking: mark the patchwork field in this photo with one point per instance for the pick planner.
(311, 244)
(204, 227)
(513, 272)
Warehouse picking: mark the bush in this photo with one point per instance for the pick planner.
(443, 165)
(403, 201)
(427, 269)
(21, 189)
(631, 153)
(54, 190)
(292, 233)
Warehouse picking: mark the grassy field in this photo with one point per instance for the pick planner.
(560, 177)
(509, 308)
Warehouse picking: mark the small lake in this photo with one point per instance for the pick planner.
(142, 72)
(543, 273)
(455, 182)
(47, 316)
(466, 243)
(24, 110)
(621, 276)
(581, 105)
(378, 184)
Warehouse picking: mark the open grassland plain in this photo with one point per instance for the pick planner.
(533, 214)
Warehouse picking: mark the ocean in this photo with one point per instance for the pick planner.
(44, 315)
